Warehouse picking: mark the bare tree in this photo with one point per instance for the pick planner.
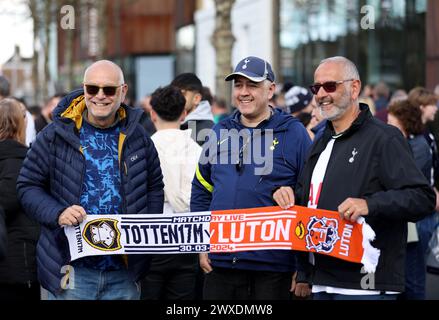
(48, 20)
(223, 41)
(36, 21)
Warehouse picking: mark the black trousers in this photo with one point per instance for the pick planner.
(232, 284)
(171, 277)
(19, 292)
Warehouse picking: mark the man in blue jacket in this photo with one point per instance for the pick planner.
(95, 158)
(244, 159)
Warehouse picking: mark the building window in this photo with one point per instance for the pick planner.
(393, 51)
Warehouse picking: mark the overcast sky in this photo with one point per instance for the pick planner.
(15, 29)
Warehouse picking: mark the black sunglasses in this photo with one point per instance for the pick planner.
(329, 86)
(108, 90)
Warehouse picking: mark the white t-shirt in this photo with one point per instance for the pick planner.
(178, 154)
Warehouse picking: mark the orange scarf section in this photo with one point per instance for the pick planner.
(299, 228)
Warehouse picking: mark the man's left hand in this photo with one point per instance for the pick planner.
(352, 208)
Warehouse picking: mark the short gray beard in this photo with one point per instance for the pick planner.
(340, 109)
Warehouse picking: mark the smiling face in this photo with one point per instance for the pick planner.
(252, 98)
(102, 108)
(333, 105)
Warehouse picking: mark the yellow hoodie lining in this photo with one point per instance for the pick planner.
(75, 111)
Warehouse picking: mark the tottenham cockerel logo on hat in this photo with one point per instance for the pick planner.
(102, 234)
(254, 69)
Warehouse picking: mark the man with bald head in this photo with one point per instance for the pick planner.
(94, 158)
(361, 168)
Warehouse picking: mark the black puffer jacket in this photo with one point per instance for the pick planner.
(19, 265)
(3, 234)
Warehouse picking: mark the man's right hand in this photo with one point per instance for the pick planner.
(72, 216)
(205, 263)
(284, 197)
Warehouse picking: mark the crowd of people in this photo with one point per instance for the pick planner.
(88, 152)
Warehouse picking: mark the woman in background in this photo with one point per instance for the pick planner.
(18, 276)
(408, 119)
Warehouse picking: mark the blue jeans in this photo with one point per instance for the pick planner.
(425, 229)
(415, 272)
(335, 296)
(89, 284)
(416, 268)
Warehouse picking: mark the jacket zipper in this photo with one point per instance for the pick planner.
(123, 169)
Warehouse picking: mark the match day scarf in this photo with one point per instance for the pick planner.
(299, 228)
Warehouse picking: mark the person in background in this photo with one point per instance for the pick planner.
(381, 95)
(219, 109)
(398, 95)
(366, 97)
(145, 120)
(199, 114)
(173, 276)
(4, 88)
(298, 100)
(35, 111)
(408, 120)
(426, 102)
(30, 124)
(46, 116)
(18, 270)
(278, 100)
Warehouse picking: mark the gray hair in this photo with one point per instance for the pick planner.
(4, 87)
(350, 71)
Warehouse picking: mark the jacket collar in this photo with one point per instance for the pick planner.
(329, 132)
(355, 126)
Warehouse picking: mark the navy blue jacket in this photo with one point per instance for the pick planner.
(53, 172)
(221, 184)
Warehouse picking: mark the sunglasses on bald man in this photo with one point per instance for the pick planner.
(108, 90)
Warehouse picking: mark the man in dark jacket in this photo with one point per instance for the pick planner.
(244, 159)
(359, 167)
(95, 158)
